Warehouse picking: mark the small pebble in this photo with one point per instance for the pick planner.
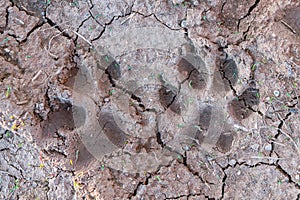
(232, 162)
(195, 2)
(276, 93)
(187, 148)
(34, 184)
(183, 23)
(268, 147)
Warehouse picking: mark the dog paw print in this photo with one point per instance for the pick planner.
(153, 102)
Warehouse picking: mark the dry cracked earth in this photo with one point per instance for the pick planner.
(143, 99)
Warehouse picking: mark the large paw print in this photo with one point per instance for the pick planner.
(145, 106)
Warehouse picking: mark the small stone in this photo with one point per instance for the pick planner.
(187, 148)
(232, 162)
(268, 147)
(297, 177)
(276, 93)
(195, 2)
(183, 24)
(34, 184)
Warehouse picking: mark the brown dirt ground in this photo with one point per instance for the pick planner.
(142, 99)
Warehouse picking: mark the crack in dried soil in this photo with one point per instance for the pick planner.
(248, 13)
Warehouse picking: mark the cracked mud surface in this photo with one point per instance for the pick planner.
(131, 99)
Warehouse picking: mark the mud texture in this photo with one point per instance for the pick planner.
(140, 99)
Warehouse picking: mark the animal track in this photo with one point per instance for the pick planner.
(241, 107)
(111, 129)
(167, 101)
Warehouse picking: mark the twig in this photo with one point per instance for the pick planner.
(27, 10)
(22, 102)
(57, 25)
(50, 41)
(51, 54)
(240, 127)
(36, 76)
(82, 37)
(280, 144)
(128, 18)
(20, 21)
(49, 44)
(288, 26)
(258, 157)
(287, 135)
